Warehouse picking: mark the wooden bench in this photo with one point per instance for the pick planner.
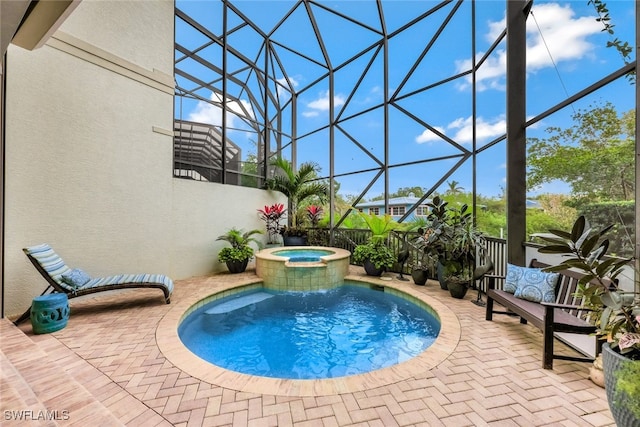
(562, 316)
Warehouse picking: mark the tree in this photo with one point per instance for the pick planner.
(249, 171)
(454, 188)
(298, 186)
(595, 155)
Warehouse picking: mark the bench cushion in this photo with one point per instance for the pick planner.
(537, 286)
(514, 273)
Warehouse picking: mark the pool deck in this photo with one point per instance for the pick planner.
(107, 368)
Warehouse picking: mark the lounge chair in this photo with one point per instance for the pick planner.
(75, 283)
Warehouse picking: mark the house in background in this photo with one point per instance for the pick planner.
(398, 206)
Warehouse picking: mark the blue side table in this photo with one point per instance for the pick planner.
(49, 313)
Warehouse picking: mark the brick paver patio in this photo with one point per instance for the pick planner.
(105, 368)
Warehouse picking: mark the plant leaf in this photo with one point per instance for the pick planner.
(578, 228)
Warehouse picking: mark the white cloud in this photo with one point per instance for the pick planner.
(461, 130)
(484, 130)
(565, 35)
(428, 136)
(281, 89)
(211, 113)
(322, 104)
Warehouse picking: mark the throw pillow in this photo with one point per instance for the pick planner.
(537, 285)
(75, 278)
(514, 273)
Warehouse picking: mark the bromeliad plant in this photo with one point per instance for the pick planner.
(314, 214)
(272, 215)
(614, 309)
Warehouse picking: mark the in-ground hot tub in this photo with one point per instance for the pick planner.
(300, 268)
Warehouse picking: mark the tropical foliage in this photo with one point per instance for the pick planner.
(240, 241)
(595, 155)
(585, 248)
(299, 186)
(314, 214)
(376, 249)
(614, 310)
(272, 215)
(453, 238)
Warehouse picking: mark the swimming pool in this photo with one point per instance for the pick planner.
(302, 268)
(218, 287)
(303, 255)
(345, 331)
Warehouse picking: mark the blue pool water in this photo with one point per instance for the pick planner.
(302, 255)
(309, 335)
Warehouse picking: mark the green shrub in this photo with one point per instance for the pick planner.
(377, 253)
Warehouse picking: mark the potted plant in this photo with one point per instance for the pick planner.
(375, 255)
(238, 255)
(299, 186)
(272, 215)
(617, 312)
(423, 265)
(314, 214)
(455, 241)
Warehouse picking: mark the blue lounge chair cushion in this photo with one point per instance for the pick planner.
(55, 267)
(75, 278)
(129, 278)
(51, 263)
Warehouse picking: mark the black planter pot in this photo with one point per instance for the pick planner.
(612, 361)
(237, 266)
(371, 269)
(441, 278)
(295, 240)
(420, 276)
(457, 289)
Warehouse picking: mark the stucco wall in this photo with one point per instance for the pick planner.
(89, 155)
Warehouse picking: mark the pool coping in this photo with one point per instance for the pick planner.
(177, 353)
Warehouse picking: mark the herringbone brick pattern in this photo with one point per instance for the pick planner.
(109, 350)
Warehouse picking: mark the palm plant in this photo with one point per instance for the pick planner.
(238, 255)
(298, 185)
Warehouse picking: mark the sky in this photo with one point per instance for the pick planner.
(566, 52)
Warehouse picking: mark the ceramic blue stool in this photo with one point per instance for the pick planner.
(49, 313)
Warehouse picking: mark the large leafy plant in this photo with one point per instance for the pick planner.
(240, 241)
(299, 186)
(452, 238)
(272, 215)
(376, 249)
(614, 309)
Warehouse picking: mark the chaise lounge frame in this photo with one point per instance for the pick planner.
(161, 282)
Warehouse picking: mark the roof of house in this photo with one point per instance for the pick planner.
(404, 201)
